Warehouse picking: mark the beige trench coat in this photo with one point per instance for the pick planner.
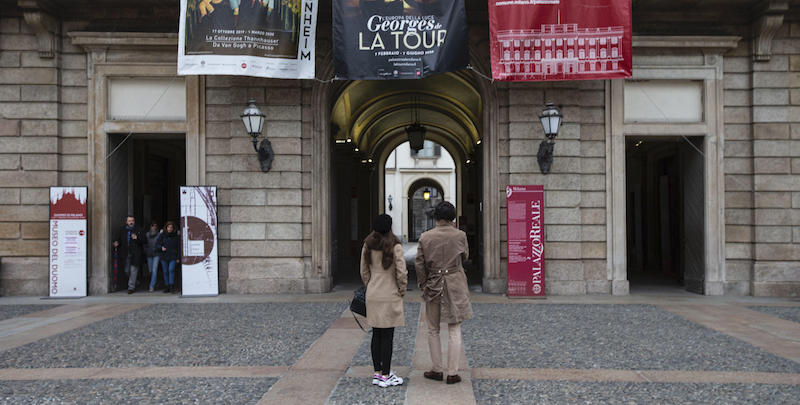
(440, 254)
(385, 288)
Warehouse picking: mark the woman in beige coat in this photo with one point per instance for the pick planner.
(383, 270)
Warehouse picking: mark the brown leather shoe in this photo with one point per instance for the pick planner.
(434, 375)
(452, 379)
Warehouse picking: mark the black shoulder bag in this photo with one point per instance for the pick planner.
(359, 304)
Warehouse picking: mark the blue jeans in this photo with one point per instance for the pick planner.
(152, 264)
(168, 267)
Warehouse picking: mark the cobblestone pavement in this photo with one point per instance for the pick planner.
(307, 349)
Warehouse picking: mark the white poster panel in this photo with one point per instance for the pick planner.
(264, 38)
(199, 263)
(67, 247)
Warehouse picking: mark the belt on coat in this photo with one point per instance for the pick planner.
(448, 270)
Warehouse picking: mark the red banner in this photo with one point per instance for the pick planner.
(525, 215)
(544, 40)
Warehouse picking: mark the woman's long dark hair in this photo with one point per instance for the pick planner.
(384, 242)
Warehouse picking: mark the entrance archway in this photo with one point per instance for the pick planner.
(420, 206)
(378, 118)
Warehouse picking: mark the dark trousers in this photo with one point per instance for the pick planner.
(382, 349)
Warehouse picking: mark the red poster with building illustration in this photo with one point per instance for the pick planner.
(544, 40)
(67, 247)
(525, 241)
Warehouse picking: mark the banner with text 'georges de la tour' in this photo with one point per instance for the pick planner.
(398, 39)
(265, 38)
(543, 40)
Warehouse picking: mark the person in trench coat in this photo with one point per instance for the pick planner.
(383, 271)
(440, 274)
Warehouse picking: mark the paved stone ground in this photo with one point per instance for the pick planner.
(13, 311)
(787, 313)
(641, 337)
(560, 392)
(306, 349)
(136, 391)
(185, 335)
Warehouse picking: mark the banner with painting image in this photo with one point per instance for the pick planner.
(264, 38)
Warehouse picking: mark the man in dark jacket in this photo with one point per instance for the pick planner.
(129, 239)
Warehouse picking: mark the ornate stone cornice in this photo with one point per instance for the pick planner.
(769, 18)
(38, 14)
(697, 42)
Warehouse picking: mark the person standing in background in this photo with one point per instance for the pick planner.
(168, 246)
(152, 255)
(129, 240)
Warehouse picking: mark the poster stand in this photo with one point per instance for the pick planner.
(67, 243)
(199, 245)
(526, 238)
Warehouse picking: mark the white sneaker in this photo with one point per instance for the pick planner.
(151, 289)
(390, 381)
(376, 378)
(397, 378)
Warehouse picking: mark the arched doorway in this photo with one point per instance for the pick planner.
(368, 121)
(320, 274)
(423, 195)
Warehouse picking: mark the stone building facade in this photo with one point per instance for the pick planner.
(730, 149)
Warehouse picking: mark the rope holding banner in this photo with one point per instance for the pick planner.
(480, 74)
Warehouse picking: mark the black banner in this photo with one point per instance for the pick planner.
(398, 39)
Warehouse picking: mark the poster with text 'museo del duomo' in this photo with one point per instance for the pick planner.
(398, 39)
(264, 38)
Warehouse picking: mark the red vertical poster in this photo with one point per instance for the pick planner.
(525, 211)
(67, 245)
(543, 40)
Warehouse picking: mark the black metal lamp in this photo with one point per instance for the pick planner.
(551, 119)
(390, 202)
(253, 120)
(415, 131)
(426, 194)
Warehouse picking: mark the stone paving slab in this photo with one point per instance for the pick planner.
(13, 311)
(360, 391)
(136, 391)
(787, 313)
(185, 335)
(490, 392)
(403, 340)
(628, 337)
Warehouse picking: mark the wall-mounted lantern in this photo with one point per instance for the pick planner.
(253, 120)
(390, 202)
(551, 119)
(426, 194)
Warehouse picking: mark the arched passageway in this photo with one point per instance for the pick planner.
(368, 121)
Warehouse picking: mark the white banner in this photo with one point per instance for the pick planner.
(199, 263)
(264, 38)
(67, 246)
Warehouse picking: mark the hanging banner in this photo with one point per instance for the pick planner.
(199, 262)
(398, 39)
(67, 242)
(264, 38)
(543, 40)
(525, 228)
